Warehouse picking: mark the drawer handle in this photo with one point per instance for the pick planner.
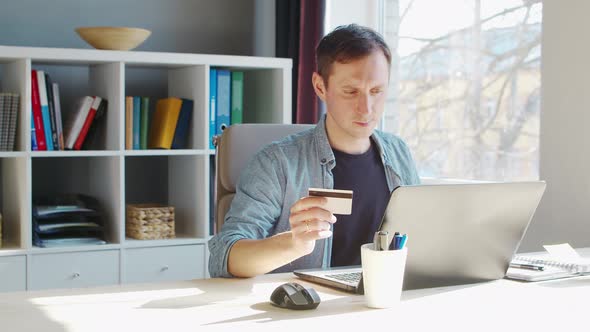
(75, 275)
(164, 268)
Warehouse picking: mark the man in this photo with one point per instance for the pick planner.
(269, 227)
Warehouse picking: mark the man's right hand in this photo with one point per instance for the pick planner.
(309, 222)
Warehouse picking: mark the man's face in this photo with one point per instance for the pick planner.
(355, 96)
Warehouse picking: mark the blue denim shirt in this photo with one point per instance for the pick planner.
(279, 175)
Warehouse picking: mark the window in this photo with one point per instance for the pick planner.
(465, 85)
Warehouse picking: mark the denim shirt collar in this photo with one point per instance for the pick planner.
(325, 153)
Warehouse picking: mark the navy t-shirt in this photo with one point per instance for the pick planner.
(365, 176)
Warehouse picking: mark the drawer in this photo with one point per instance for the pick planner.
(164, 263)
(13, 273)
(73, 270)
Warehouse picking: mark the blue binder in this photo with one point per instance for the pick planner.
(212, 105)
(223, 100)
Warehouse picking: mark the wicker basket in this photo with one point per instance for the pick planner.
(149, 222)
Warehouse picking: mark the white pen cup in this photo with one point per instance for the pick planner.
(383, 275)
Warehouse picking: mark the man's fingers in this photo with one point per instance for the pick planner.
(307, 203)
(315, 235)
(314, 213)
(311, 226)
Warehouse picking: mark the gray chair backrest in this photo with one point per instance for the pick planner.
(236, 146)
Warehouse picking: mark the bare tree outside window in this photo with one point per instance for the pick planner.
(465, 86)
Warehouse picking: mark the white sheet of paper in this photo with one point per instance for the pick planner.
(563, 252)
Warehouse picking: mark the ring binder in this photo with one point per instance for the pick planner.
(576, 268)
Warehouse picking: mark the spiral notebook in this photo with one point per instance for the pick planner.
(562, 261)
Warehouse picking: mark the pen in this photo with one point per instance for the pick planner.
(397, 238)
(403, 241)
(527, 266)
(380, 240)
(383, 240)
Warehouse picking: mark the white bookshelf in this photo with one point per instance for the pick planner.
(116, 176)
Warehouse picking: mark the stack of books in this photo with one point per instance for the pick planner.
(166, 128)
(9, 105)
(81, 127)
(67, 220)
(47, 128)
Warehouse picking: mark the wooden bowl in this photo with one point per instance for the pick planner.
(113, 38)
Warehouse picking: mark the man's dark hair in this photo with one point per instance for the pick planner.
(347, 43)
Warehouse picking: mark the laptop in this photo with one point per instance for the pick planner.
(457, 233)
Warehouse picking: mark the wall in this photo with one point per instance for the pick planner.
(264, 28)
(564, 212)
(193, 26)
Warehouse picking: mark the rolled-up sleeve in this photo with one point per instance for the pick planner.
(254, 209)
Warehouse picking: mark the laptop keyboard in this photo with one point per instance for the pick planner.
(353, 277)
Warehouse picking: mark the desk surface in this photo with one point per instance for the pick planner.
(242, 304)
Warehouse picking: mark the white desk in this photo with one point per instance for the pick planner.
(242, 305)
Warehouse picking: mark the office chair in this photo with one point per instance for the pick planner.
(234, 148)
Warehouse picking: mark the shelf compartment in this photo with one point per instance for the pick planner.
(98, 177)
(76, 80)
(265, 92)
(157, 82)
(14, 203)
(177, 181)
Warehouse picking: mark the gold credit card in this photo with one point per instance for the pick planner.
(339, 201)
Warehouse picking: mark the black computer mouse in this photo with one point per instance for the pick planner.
(294, 296)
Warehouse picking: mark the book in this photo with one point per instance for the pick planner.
(237, 97)
(45, 109)
(34, 146)
(223, 101)
(562, 262)
(212, 105)
(14, 110)
(58, 117)
(87, 123)
(128, 122)
(96, 130)
(4, 119)
(164, 123)
(37, 116)
(144, 127)
(76, 120)
(136, 122)
(51, 107)
(5, 114)
(182, 125)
